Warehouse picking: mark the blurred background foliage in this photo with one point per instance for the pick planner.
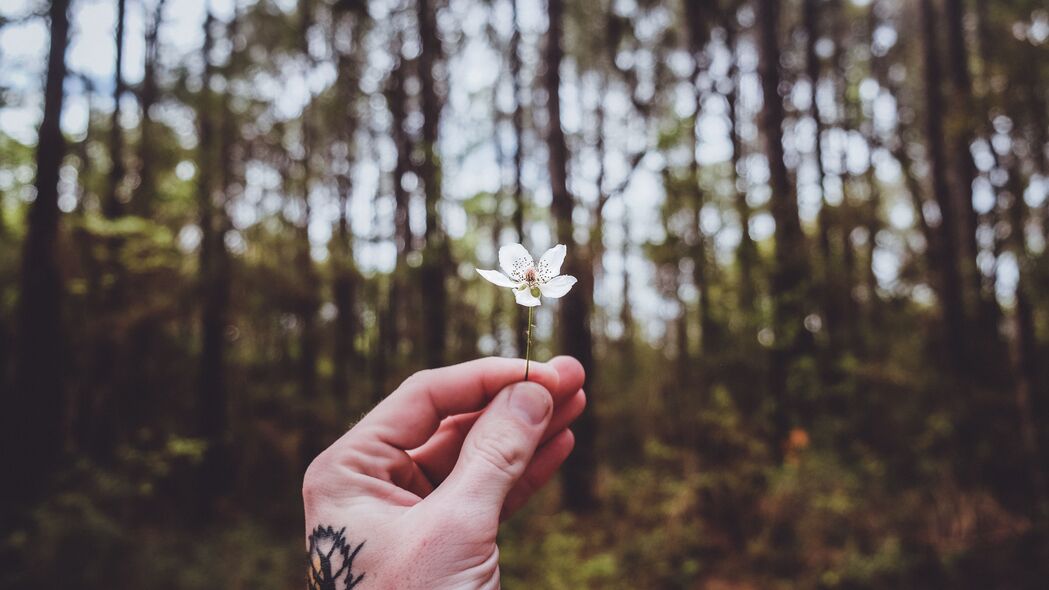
(810, 237)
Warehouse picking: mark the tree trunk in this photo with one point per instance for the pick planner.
(308, 297)
(574, 320)
(139, 385)
(981, 301)
(813, 71)
(708, 339)
(107, 420)
(746, 254)
(345, 284)
(946, 254)
(33, 409)
(113, 206)
(521, 318)
(395, 311)
(145, 193)
(212, 404)
(1026, 346)
(789, 285)
(436, 261)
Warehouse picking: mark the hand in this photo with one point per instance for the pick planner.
(412, 496)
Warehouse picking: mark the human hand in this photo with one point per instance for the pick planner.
(412, 496)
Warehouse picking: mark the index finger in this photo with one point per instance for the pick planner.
(409, 416)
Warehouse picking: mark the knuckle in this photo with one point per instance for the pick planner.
(312, 485)
(503, 453)
(417, 380)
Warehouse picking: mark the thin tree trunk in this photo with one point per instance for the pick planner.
(521, 319)
(946, 253)
(212, 406)
(143, 337)
(436, 262)
(574, 322)
(309, 297)
(813, 70)
(746, 254)
(114, 206)
(1026, 346)
(789, 285)
(345, 285)
(707, 329)
(960, 131)
(403, 239)
(33, 409)
(145, 192)
(626, 316)
(108, 418)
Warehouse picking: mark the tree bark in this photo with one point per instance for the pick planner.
(574, 318)
(813, 71)
(113, 206)
(212, 405)
(700, 275)
(945, 258)
(961, 131)
(1025, 357)
(145, 193)
(33, 409)
(345, 284)
(436, 261)
(789, 285)
(517, 118)
(746, 254)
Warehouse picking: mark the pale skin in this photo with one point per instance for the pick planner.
(425, 478)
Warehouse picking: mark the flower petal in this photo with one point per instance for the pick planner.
(557, 286)
(515, 260)
(496, 277)
(550, 263)
(525, 298)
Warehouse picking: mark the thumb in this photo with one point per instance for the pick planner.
(498, 448)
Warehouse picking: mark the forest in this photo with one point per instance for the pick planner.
(810, 238)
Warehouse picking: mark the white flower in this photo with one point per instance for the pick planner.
(528, 279)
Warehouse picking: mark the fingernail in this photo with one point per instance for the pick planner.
(530, 403)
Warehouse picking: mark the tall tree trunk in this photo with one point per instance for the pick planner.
(747, 253)
(1026, 346)
(395, 311)
(107, 420)
(114, 205)
(960, 132)
(789, 284)
(626, 315)
(212, 405)
(574, 322)
(873, 309)
(33, 420)
(139, 385)
(345, 284)
(700, 276)
(308, 298)
(436, 261)
(700, 259)
(813, 71)
(946, 254)
(521, 319)
(145, 192)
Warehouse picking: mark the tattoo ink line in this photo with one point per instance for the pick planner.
(328, 558)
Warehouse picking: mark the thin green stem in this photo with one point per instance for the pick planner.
(528, 345)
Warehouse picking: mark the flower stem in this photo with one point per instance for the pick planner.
(528, 345)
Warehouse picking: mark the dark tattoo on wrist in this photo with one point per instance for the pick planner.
(330, 558)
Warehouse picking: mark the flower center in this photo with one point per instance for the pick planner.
(530, 276)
